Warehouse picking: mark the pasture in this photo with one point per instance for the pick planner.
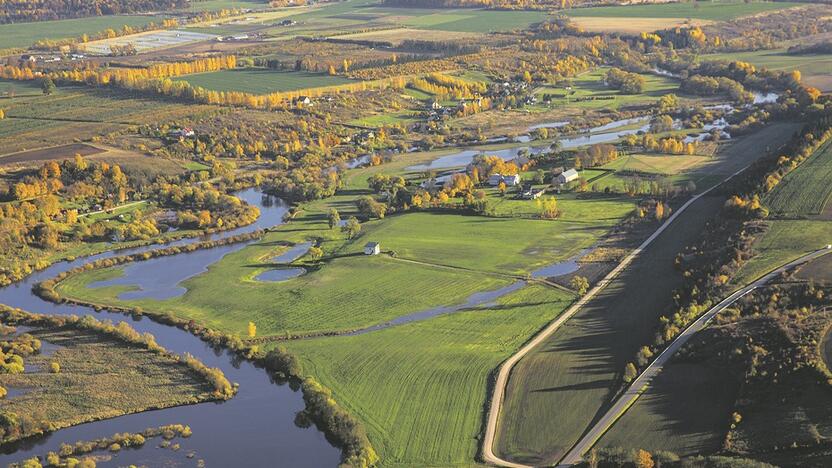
(588, 91)
(397, 36)
(26, 34)
(717, 10)
(805, 192)
(261, 80)
(442, 365)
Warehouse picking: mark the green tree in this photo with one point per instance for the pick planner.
(579, 284)
(315, 253)
(47, 85)
(352, 228)
(334, 218)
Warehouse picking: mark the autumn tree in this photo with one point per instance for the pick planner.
(579, 284)
(352, 228)
(252, 330)
(644, 459)
(630, 372)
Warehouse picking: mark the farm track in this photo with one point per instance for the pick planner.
(642, 383)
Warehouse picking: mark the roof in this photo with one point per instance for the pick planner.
(570, 173)
(371, 245)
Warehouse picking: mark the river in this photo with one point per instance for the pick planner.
(255, 428)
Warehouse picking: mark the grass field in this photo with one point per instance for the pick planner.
(806, 190)
(658, 163)
(558, 390)
(261, 81)
(591, 85)
(25, 34)
(718, 10)
(785, 240)
(100, 378)
(396, 36)
(632, 25)
(403, 117)
(814, 68)
(420, 388)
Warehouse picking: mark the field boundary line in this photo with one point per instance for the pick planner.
(504, 371)
(642, 382)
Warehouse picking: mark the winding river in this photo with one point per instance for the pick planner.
(255, 428)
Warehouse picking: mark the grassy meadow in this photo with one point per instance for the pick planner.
(420, 388)
(806, 190)
(814, 68)
(261, 80)
(591, 85)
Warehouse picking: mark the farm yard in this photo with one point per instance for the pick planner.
(262, 81)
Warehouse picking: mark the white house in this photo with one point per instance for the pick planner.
(567, 176)
(372, 248)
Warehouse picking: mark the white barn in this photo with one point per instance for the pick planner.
(567, 176)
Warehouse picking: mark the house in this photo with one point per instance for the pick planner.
(567, 176)
(303, 101)
(186, 132)
(509, 180)
(531, 193)
(372, 248)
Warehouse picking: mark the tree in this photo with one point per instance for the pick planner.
(630, 372)
(334, 218)
(548, 207)
(54, 367)
(579, 284)
(352, 228)
(644, 459)
(252, 330)
(659, 211)
(502, 188)
(540, 177)
(47, 85)
(315, 253)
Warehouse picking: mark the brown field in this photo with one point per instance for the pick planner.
(37, 156)
(633, 25)
(396, 36)
(819, 270)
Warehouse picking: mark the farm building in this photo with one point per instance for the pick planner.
(531, 193)
(372, 248)
(567, 176)
(509, 180)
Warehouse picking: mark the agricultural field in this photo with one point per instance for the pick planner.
(262, 81)
(814, 68)
(627, 25)
(718, 10)
(397, 36)
(578, 369)
(805, 192)
(147, 41)
(442, 364)
(99, 378)
(25, 34)
(587, 88)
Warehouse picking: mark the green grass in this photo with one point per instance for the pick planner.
(711, 10)
(262, 81)
(814, 68)
(213, 5)
(591, 84)
(784, 241)
(100, 378)
(420, 388)
(556, 391)
(25, 34)
(403, 117)
(806, 190)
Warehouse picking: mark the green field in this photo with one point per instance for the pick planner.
(403, 117)
(785, 240)
(591, 85)
(555, 392)
(806, 190)
(711, 10)
(420, 388)
(261, 81)
(25, 34)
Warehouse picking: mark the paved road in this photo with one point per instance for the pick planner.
(640, 385)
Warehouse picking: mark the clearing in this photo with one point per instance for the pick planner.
(262, 81)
